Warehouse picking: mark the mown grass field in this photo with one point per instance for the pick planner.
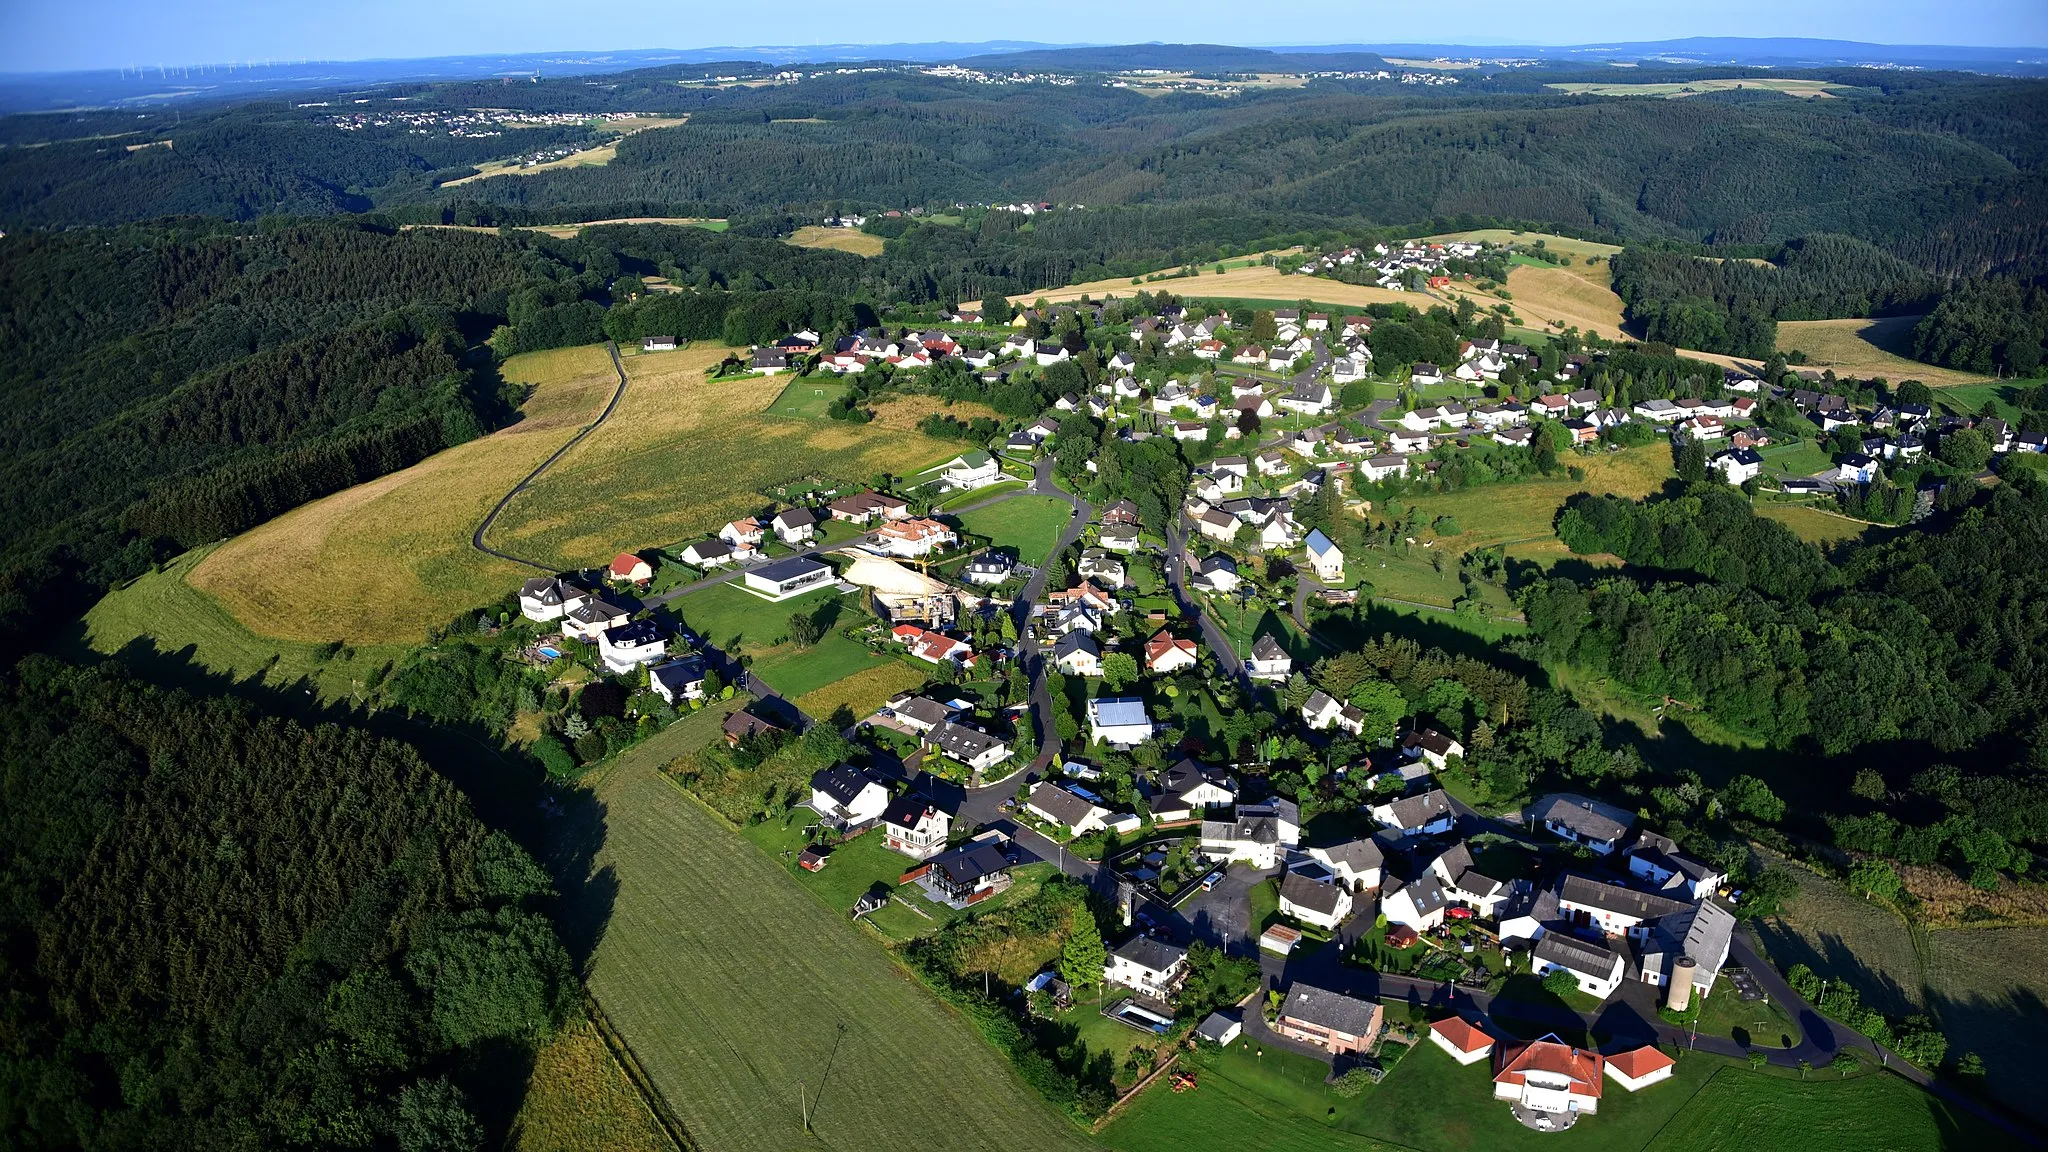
(1843, 936)
(1989, 989)
(743, 996)
(724, 613)
(1257, 282)
(1030, 524)
(1811, 524)
(807, 398)
(1824, 1113)
(1675, 89)
(385, 561)
(578, 1098)
(839, 239)
(1866, 348)
(163, 613)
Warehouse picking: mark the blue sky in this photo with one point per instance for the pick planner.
(47, 35)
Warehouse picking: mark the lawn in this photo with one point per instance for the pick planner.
(1798, 458)
(1030, 524)
(577, 1097)
(735, 988)
(160, 611)
(977, 495)
(1811, 524)
(839, 239)
(387, 560)
(723, 613)
(1825, 1113)
(1244, 623)
(807, 397)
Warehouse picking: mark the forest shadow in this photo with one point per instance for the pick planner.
(1831, 958)
(2002, 1028)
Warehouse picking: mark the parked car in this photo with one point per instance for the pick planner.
(1211, 880)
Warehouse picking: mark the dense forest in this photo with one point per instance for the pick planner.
(228, 931)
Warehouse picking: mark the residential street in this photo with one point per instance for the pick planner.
(1213, 635)
(1028, 651)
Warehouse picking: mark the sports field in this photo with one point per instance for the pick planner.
(1030, 524)
(839, 239)
(1866, 348)
(746, 999)
(387, 560)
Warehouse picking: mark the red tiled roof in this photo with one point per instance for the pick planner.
(1583, 1067)
(1640, 1062)
(1461, 1035)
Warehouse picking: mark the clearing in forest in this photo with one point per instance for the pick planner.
(1865, 348)
(1257, 282)
(602, 154)
(839, 239)
(1804, 89)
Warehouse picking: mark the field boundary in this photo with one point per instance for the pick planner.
(650, 1097)
(476, 538)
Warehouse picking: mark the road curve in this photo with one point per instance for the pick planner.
(476, 539)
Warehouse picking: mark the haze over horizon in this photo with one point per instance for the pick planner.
(106, 34)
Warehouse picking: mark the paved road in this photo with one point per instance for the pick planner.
(1176, 578)
(476, 538)
(1028, 650)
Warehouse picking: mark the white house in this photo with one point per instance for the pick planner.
(546, 598)
(1321, 711)
(1404, 443)
(786, 578)
(1318, 903)
(1120, 721)
(628, 646)
(848, 794)
(1166, 653)
(1597, 970)
(968, 470)
(1425, 814)
(1325, 558)
(1581, 820)
(1638, 1068)
(1432, 747)
(1269, 661)
(1076, 654)
(916, 826)
(1739, 465)
(1465, 1042)
(592, 619)
(989, 569)
(970, 746)
(1657, 859)
(1146, 965)
(1356, 864)
(795, 525)
(679, 679)
(1063, 809)
(1417, 904)
(712, 553)
(1379, 468)
(1216, 573)
(1548, 1075)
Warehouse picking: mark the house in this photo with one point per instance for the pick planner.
(1166, 653)
(592, 619)
(848, 794)
(1191, 788)
(794, 525)
(742, 534)
(915, 826)
(657, 343)
(920, 714)
(1403, 443)
(1597, 970)
(1318, 903)
(1611, 909)
(1324, 557)
(1321, 711)
(1269, 661)
(989, 568)
(1308, 396)
(968, 470)
(970, 746)
(1063, 809)
(629, 569)
(1582, 401)
(966, 875)
(1514, 437)
(868, 506)
(1581, 820)
(1355, 863)
(1101, 567)
(745, 724)
(1465, 884)
(1704, 427)
(1328, 1019)
(629, 646)
(1219, 1029)
(786, 578)
(1548, 1075)
(1658, 860)
(1739, 465)
(1259, 836)
(1638, 1068)
(1118, 539)
(679, 679)
(1418, 904)
(1431, 746)
(1077, 654)
(1216, 573)
(546, 598)
(1146, 965)
(912, 538)
(1583, 431)
(1425, 814)
(1661, 411)
(1465, 1042)
(1855, 468)
(1120, 721)
(1122, 514)
(1379, 468)
(712, 553)
(1425, 374)
(1270, 463)
(1218, 525)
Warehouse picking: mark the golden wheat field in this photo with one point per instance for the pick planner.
(1866, 348)
(1257, 282)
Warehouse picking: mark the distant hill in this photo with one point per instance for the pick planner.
(1180, 57)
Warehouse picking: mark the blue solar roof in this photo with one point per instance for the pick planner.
(1318, 543)
(1113, 712)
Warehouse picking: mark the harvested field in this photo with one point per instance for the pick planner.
(1989, 988)
(1258, 282)
(1565, 245)
(1843, 936)
(902, 410)
(578, 1097)
(604, 153)
(1866, 348)
(838, 239)
(1804, 89)
(564, 231)
(697, 971)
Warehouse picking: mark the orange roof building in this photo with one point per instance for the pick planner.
(1165, 653)
(1466, 1042)
(1640, 1067)
(1548, 1075)
(626, 566)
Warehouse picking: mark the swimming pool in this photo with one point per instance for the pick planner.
(549, 652)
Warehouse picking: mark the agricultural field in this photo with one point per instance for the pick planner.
(1811, 524)
(902, 410)
(385, 561)
(1030, 524)
(162, 613)
(604, 153)
(862, 692)
(1563, 245)
(564, 231)
(1253, 283)
(1804, 89)
(838, 239)
(1989, 989)
(1843, 936)
(1866, 348)
(746, 999)
(578, 1097)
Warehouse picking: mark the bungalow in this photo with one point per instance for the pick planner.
(931, 646)
(1077, 654)
(1355, 863)
(745, 724)
(1381, 468)
(1318, 903)
(1582, 820)
(1426, 814)
(868, 506)
(786, 578)
(713, 553)
(795, 525)
(1661, 411)
(968, 470)
(1143, 964)
(1064, 810)
(1166, 653)
(1403, 443)
(1639, 1068)
(1553, 404)
(1120, 721)
(1118, 539)
(1329, 1020)
(769, 361)
(1418, 904)
(679, 679)
(848, 794)
(592, 619)
(546, 598)
(1269, 661)
(629, 646)
(920, 714)
(1739, 465)
(1514, 437)
(1597, 970)
(1325, 558)
(1582, 401)
(1190, 430)
(915, 826)
(1548, 1075)
(1465, 1042)
(970, 746)
(1216, 573)
(989, 568)
(629, 569)
(1308, 396)
(1425, 374)
(1432, 746)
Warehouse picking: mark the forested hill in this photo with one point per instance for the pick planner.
(226, 931)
